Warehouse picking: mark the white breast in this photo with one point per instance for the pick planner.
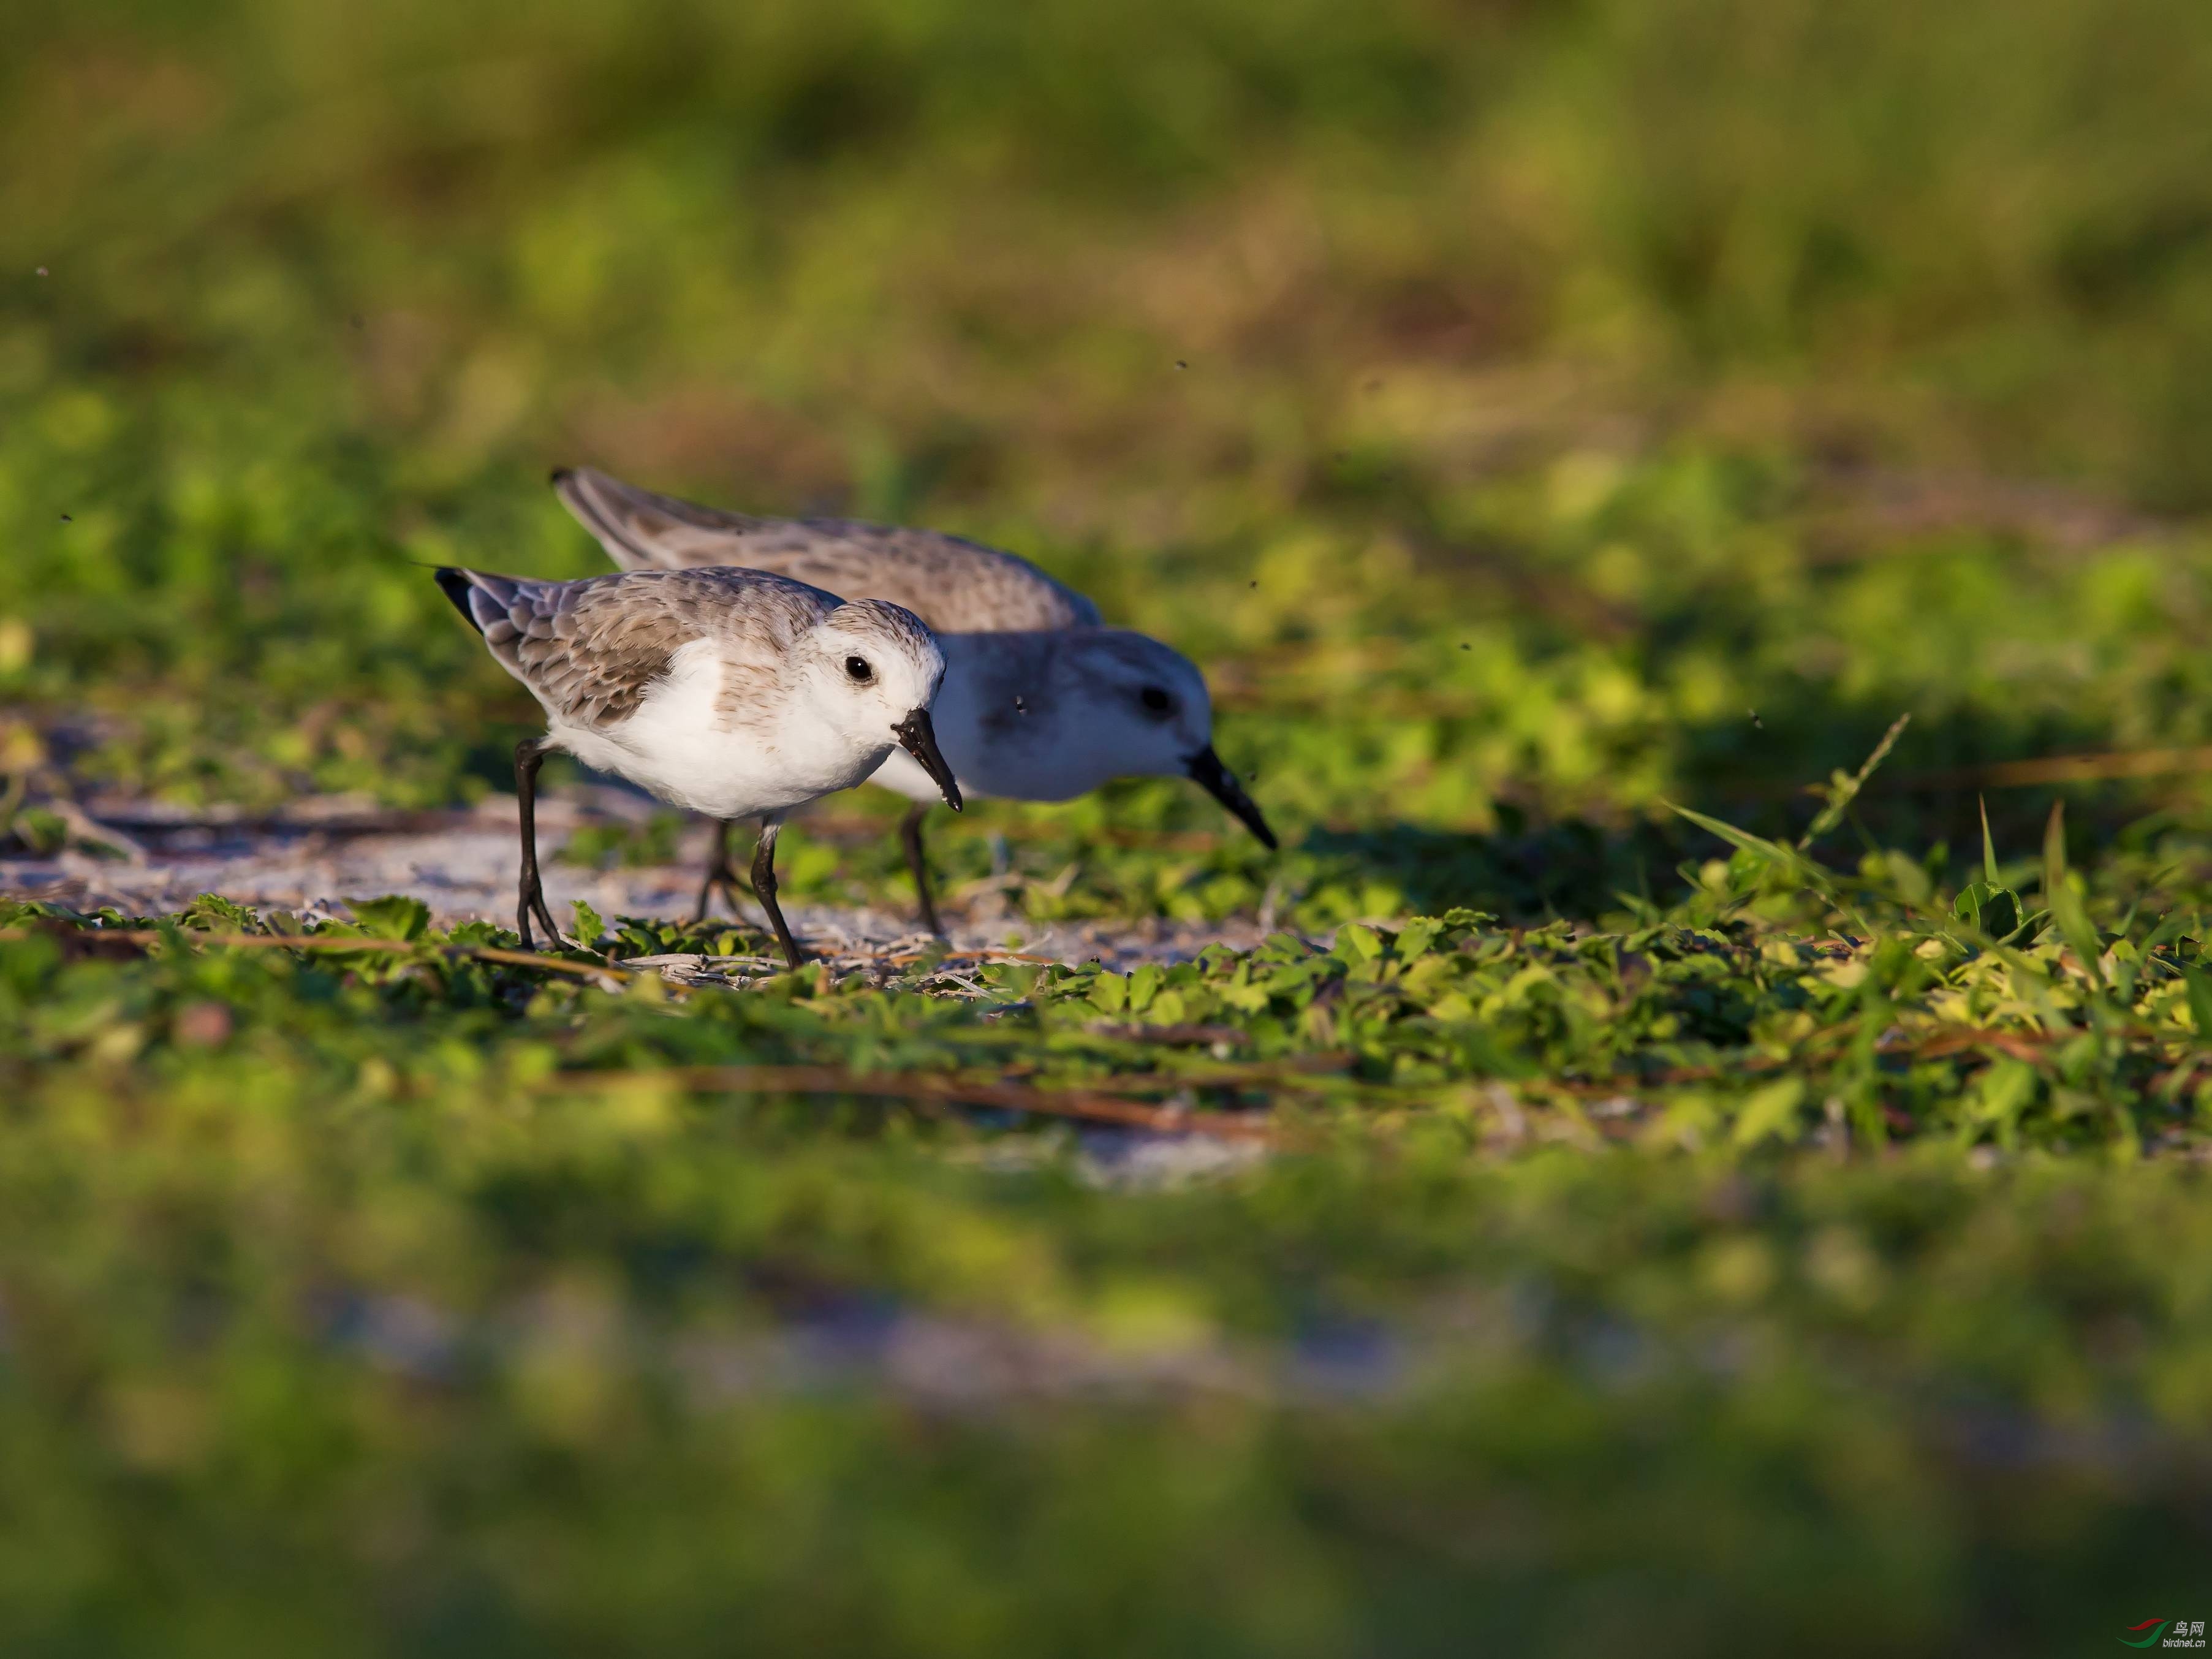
(684, 746)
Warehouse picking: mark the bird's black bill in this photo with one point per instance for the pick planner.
(919, 738)
(1208, 772)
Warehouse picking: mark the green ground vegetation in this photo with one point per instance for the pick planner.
(1587, 1224)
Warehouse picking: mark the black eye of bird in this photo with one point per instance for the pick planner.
(859, 669)
(1156, 699)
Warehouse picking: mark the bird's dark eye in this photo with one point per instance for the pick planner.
(858, 668)
(1156, 699)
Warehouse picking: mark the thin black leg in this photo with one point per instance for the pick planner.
(721, 873)
(910, 838)
(529, 755)
(765, 890)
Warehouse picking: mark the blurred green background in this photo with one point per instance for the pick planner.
(1528, 413)
(1684, 362)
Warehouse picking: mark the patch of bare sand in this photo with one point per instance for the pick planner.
(317, 855)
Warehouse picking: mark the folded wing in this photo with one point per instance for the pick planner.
(591, 651)
(955, 585)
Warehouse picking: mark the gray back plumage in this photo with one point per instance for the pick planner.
(954, 585)
(591, 650)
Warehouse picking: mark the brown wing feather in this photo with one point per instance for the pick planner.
(954, 585)
(591, 650)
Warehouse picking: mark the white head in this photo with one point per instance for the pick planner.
(871, 670)
(1142, 710)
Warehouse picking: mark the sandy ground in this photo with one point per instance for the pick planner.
(316, 855)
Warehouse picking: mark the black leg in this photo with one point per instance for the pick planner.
(910, 837)
(529, 755)
(719, 873)
(765, 890)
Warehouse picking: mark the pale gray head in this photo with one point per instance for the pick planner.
(870, 670)
(1147, 714)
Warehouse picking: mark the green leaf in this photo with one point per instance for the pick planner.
(1771, 1113)
(394, 916)
(1359, 941)
(2054, 849)
(1144, 985)
(2070, 911)
(1989, 847)
(2200, 1001)
(1417, 936)
(1972, 900)
(1245, 998)
(1109, 991)
(212, 913)
(2004, 1092)
(589, 925)
(1994, 911)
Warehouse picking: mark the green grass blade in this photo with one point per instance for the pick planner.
(1846, 790)
(1735, 837)
(2071, 912)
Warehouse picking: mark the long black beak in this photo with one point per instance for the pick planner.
(919, 738)
(1208, 772)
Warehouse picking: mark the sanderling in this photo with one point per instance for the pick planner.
(1040, 702)
(735, 693)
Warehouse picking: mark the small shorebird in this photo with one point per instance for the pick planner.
(735, 693)
(1040, 702)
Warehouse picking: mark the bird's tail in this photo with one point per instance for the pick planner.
(600, 504)
(484, 601)
(642, 530)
